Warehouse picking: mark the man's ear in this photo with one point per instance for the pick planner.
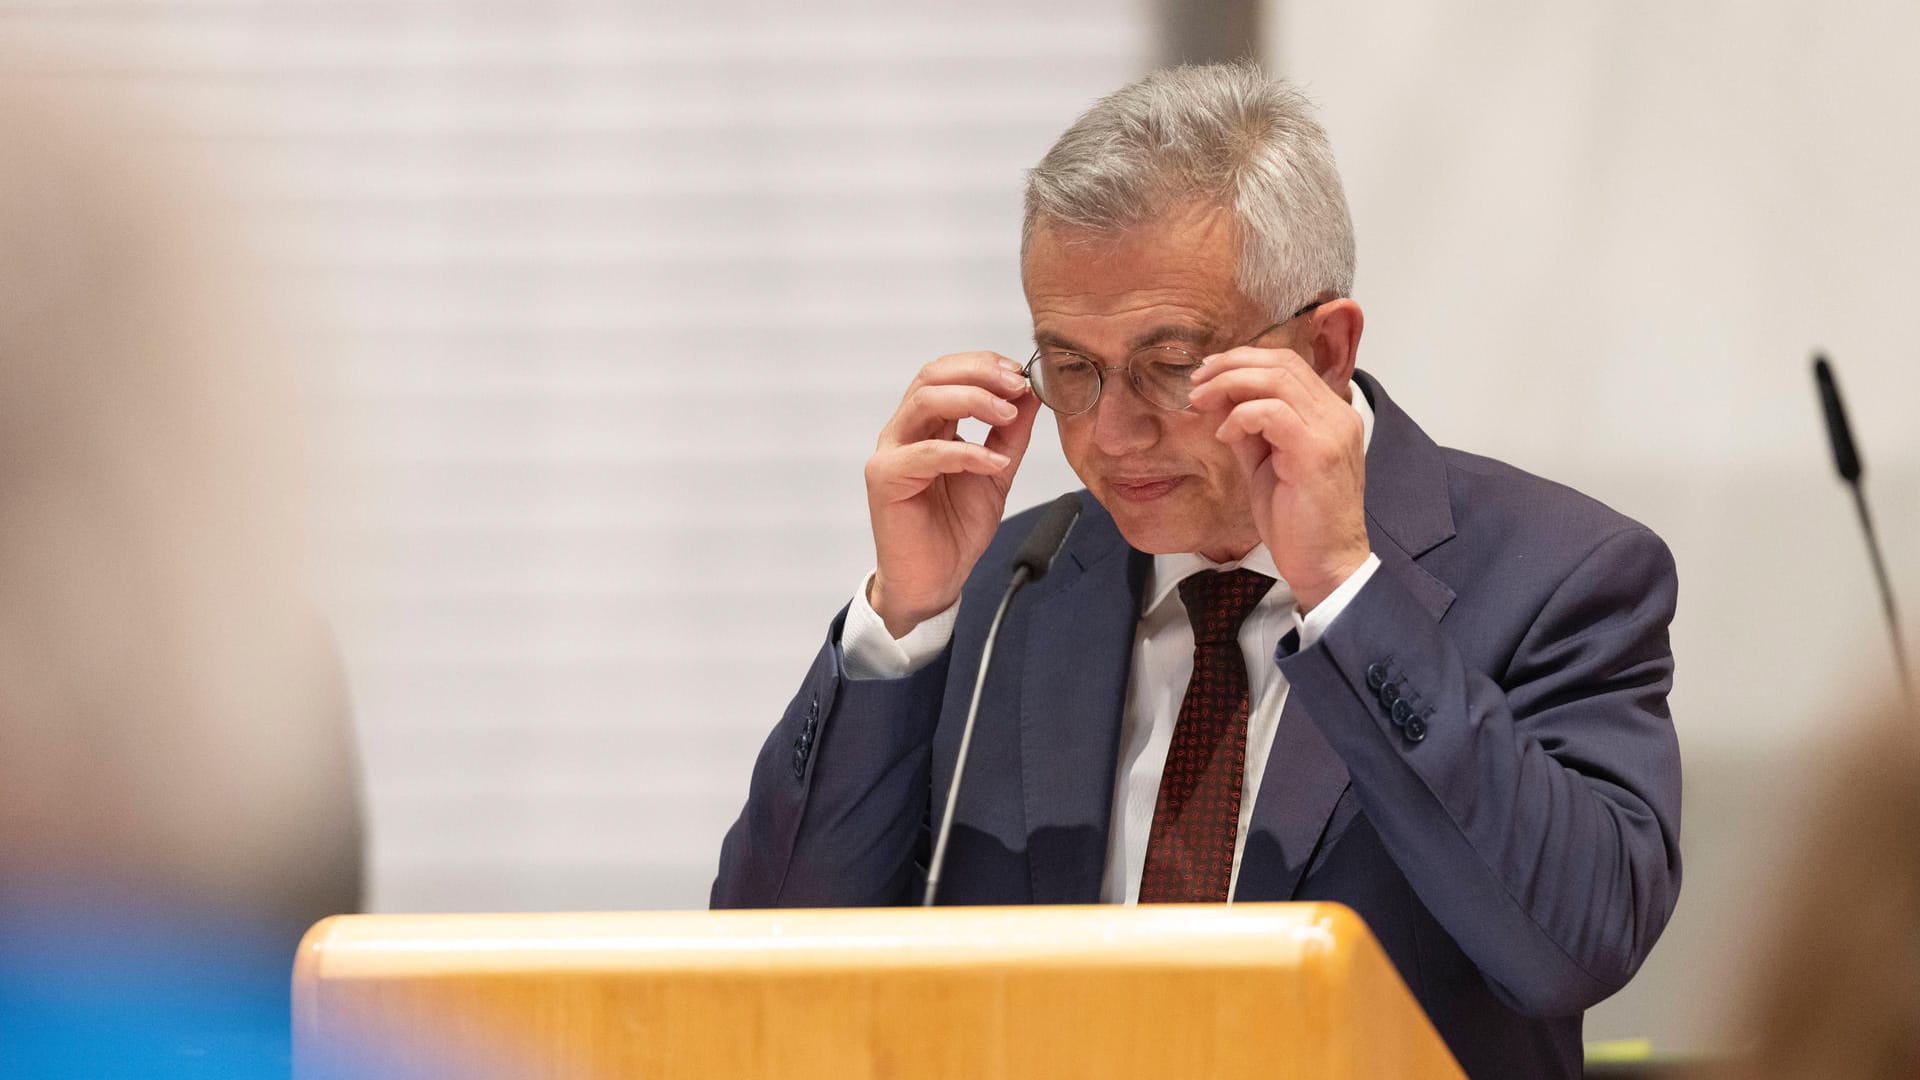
(1334, 332)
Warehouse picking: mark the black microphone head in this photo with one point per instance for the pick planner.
(1049, 535)
(1845, 457)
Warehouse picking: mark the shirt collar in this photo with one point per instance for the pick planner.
(1170, 570)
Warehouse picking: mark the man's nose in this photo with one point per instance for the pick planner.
(1123, 421)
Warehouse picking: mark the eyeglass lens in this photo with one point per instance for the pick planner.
(1070, 383)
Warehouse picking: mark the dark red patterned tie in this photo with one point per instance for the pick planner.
(1197, 819)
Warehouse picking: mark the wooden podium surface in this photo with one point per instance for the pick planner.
(1165, 991)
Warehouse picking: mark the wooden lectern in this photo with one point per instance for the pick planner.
(1165, 991)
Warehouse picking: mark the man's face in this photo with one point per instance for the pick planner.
(1169, 484)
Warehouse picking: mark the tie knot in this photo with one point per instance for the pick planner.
(1218, 602)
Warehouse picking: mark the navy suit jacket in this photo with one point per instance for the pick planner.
(1512, 837)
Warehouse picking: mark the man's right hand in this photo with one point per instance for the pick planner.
(936, 500)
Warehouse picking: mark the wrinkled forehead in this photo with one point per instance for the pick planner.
(1173, 279)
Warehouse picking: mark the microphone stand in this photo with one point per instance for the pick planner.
(1886, 592)
(1846, 458)
(1030, 563)
(966, 740)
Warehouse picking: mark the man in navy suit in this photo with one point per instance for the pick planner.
(1452, 713)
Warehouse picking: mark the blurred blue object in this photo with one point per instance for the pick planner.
(98, 994)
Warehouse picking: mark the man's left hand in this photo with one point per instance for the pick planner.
(1302, 450)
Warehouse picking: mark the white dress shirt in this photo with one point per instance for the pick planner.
(1156, 683)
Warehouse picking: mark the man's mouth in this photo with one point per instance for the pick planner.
(1145, 488)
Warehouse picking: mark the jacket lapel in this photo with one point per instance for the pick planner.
(1304, 780)
(1073, 691)
(1408, 514)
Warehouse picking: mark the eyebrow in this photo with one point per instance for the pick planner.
(1182, 333)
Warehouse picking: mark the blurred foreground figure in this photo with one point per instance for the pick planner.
(1840, 996)
(177, 793)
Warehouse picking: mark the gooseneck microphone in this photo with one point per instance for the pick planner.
(1030, 563)
(1846, 458)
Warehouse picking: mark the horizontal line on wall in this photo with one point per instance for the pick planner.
(837, 318)
(767, 268)
(462, 123)
(269, 41)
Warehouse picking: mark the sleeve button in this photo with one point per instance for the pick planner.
(1415, 729)
(1376, 676)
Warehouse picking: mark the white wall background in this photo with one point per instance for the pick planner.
(611, 301)
(1600, 241)
(607, 304)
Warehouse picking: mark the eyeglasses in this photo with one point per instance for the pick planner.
(1070, 383)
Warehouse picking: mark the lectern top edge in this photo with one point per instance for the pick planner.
(1171, 935)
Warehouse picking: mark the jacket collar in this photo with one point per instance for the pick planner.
(1409, 506)
(1406, 477)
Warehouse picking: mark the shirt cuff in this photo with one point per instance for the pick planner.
(1314, 623)
(868, 651)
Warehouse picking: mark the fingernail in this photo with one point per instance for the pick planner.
(1016, 383)
(1005, 410)
(999, 460)
(1010, 365)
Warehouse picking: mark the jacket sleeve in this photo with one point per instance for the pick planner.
(1536, 816)
(837, 808)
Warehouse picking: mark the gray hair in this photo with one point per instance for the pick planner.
(1226, 134)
